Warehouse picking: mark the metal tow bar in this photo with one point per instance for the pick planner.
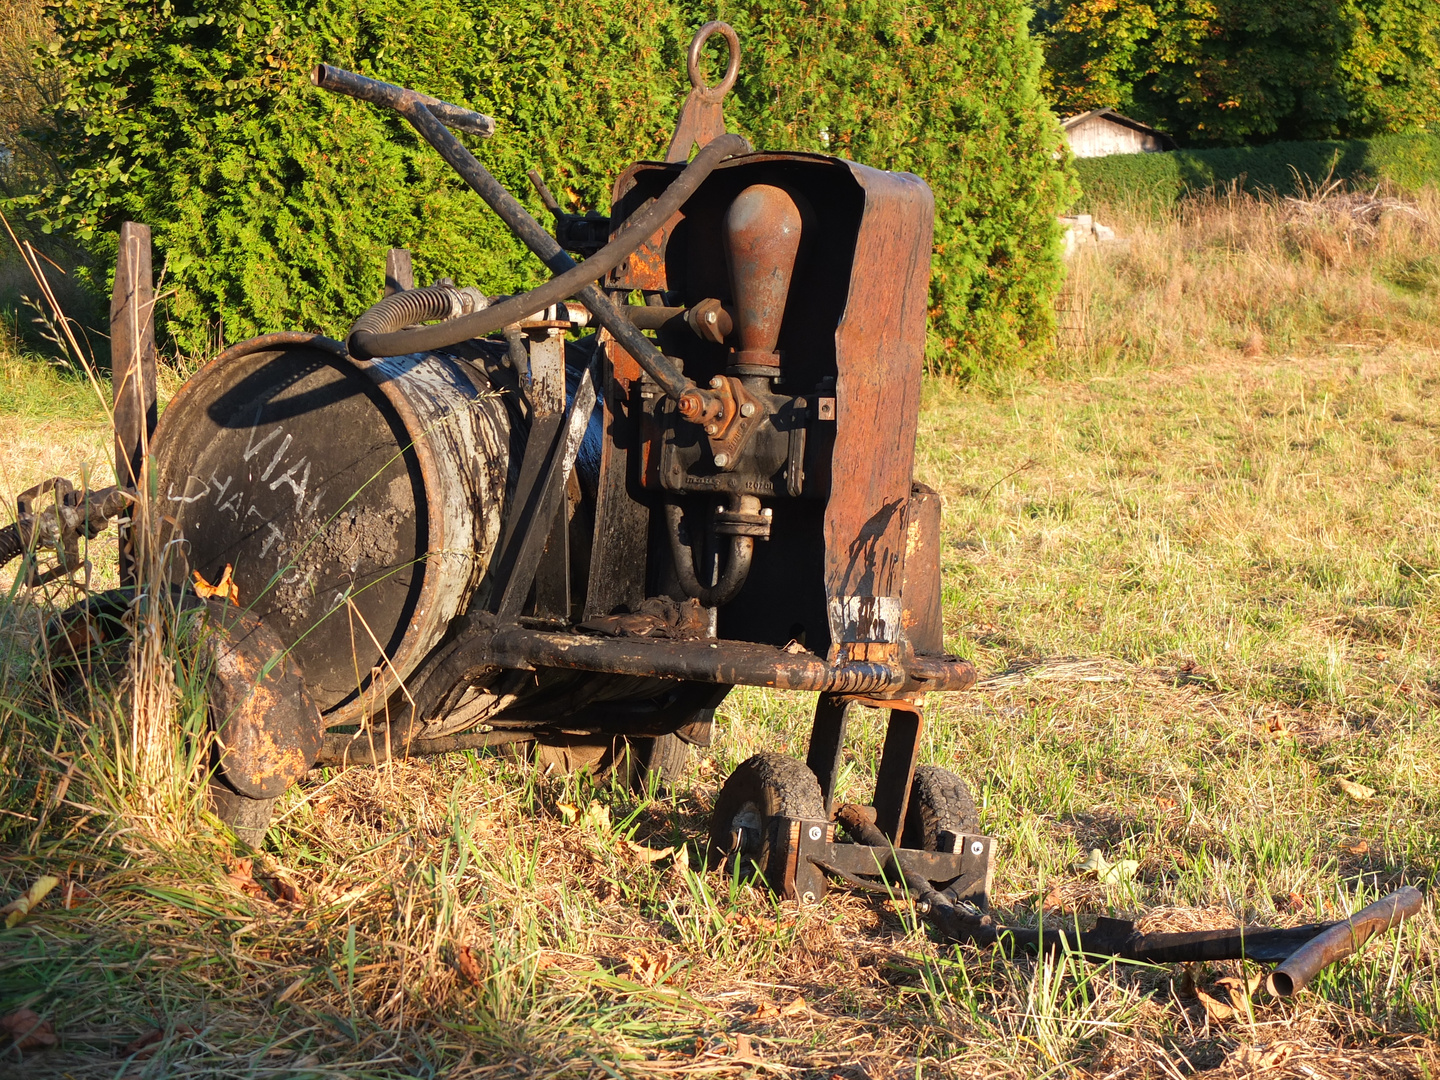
(949, 887)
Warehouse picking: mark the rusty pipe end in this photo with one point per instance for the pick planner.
(318, 74)
(692, 405)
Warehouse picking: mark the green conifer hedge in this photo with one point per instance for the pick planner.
(1156, 182)
(273, 202)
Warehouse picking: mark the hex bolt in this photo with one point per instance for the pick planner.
(808, 897)
(815, 832)
(977, 848)
(721, 460)
(716, 383)
(711, 429)
(710, 318)
(748, 409)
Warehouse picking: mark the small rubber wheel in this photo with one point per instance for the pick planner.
(939, 802)
(249, 819)
(765, 787)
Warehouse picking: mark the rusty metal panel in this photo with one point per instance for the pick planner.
(880, 356)
(921, 616)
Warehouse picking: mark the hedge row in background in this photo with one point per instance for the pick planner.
(1158, 181)
(273, 202)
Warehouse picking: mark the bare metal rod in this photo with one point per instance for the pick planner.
(390, 95)
(360, 749)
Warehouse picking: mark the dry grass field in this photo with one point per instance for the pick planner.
(1197, 559)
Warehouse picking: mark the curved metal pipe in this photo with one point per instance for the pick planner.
(737, 566)
(378, 331)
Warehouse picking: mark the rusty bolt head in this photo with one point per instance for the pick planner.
(748, 409)
(721, 460)
(691, 405)
(711, 429)
(717, 382)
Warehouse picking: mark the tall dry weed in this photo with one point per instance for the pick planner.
(1231, 272)
(109, 718)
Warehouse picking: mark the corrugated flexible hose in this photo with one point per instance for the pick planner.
(11, 546)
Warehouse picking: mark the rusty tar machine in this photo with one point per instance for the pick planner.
(576, 517)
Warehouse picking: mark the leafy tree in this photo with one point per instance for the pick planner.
(950, 92)
(273, 202)
(1233, 71)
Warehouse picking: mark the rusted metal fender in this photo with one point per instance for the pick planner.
(268, 730)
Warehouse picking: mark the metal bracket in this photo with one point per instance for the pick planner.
(803, 854)
(701, 117)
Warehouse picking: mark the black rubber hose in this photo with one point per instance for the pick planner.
(378, 332)
(732, 580)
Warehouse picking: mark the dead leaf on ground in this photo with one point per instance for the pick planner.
(745, 1049)
(147, 1044)
(286, 891)
(750, 922)
(595, 816)
(644, 854)
(1239, 991)
(1360, 848)
(768, 1010)
(1295, 902)
(1187, 981)
(241, 876)
(17, 909)
(1216, 1012)
(468, 966)
(27, 1031)
(647, 967)
(1256, 1058)
(1106, 872)
(225, 588)
(1358, 792)
(1054, 903)
(1276, 726)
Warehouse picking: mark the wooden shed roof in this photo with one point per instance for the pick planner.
(1114, 117)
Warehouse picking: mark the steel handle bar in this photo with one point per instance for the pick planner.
(376, 92)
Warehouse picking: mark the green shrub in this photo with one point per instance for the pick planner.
(1157, 181)
(273, 203)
